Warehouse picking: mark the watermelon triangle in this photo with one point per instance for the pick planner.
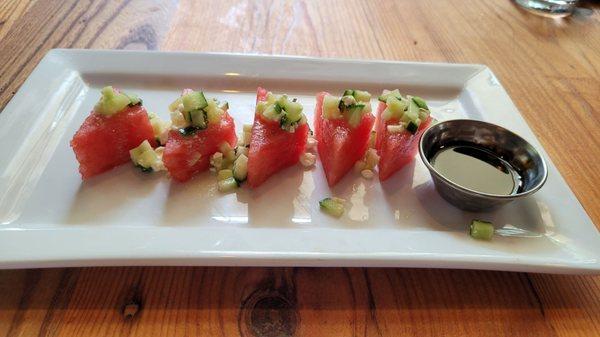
(272, 149)
(340, 146)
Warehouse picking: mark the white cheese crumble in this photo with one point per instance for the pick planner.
(367, 174)
(311, 143)
(216, 161)
(308, 159)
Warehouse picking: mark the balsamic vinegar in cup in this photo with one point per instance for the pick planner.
(477, 169)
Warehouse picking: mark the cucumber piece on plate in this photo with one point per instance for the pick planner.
(194, 100)
(144, 156)
(332, 206)
(224, 174)
(240, 168)
(227, 185)
(481, 230)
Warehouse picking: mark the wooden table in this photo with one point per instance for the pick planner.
(551, 69)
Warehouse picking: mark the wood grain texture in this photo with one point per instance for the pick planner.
(549, 67)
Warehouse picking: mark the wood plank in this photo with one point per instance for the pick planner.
(124, 24)
(549, 67)
(273, 302)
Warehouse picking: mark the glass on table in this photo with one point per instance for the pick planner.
(553, 8)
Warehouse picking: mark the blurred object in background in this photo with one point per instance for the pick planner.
(552, 8)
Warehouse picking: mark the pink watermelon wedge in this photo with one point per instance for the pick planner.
(103, 142)
(340, 145)
(186, 155)
(272, 149)
(395, 149)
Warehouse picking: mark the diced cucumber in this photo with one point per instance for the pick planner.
(271, 113)
(147, 158)
(420, 102)
(330, 107)
(133, 99)
(224, 174)
(332, 206)
(144, 156)
(261, 106)
(386, 94)
(111, 102)
(214, 115)
(412, 113)
(240, 168)
(281, 100)
(178, 120)
(198, 119)
(213, 112)
(362, 96)
(281, 108)
(423, 114)
(412, 127)
(160, 128)
(143, 147)
(194, 100)
(396, 107)
(293, 111)
(348, 92)
(354, 114)
(227, 185)
(277, 108)
(271, 99)
(387, 114)
(481, 230)
(173, 106)
(227, 151)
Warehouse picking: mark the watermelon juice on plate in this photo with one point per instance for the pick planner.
(201, 127)
(342, 128)
(117, 124)
(400, 123)
(278, 136)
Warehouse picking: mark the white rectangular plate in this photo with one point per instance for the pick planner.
(49, 217)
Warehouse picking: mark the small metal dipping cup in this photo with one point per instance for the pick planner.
(523, 158)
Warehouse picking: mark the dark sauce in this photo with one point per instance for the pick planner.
(477, 169)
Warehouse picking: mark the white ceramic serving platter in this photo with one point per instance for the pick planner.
(49, 217)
